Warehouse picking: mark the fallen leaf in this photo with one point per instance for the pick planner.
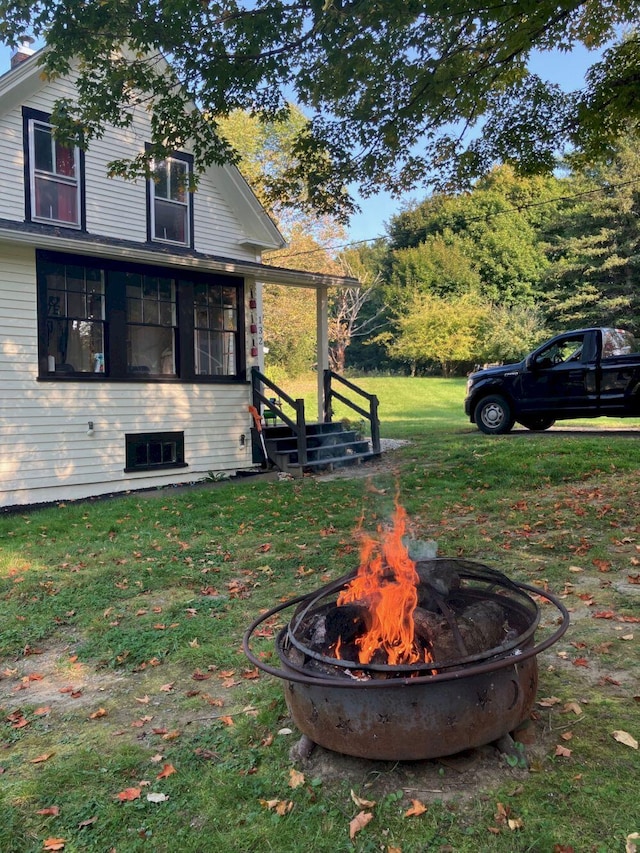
(630, 846)
(549, 702)
(295, 778)
(143, 700)
(280, 807)
(53, 844)
(515, 823)
(172, 735)
(625, 738)
(51, 810)
(417, 808)
(562, 751)
(41, 758)
(359, 822)
(567, 735)
(572, 707)
(97, 714)
(167, 770)
(41, 712)
(361, 803)
(228, 721)
(157, 798)
(88, 822)
(129, 794)
(167, 688)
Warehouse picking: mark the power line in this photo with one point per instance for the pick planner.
(479, 218)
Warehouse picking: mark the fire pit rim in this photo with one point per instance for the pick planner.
(508, 658)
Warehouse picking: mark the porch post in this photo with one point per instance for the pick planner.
(322, 339)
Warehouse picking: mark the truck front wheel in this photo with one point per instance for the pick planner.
(493, 415)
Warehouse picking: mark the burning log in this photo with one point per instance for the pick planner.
(478, 628)
(438, 579)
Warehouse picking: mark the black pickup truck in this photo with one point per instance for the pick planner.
(584, 374)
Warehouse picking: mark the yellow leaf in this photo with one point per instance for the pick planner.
(359, 822)
(630, 846)
(515, 823)
(295, 778)
(53, 844)
(194, 643)
(417, 808)
(363, 804)
(625, 738)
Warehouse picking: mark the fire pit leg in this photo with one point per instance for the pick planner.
(303, 749)
(507, 746)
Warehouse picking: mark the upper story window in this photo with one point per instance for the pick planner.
(171, 202)
(53, 174)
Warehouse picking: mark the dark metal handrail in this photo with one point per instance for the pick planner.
(371, 415)
(261, 402)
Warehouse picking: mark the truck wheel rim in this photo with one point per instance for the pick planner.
(493, 416)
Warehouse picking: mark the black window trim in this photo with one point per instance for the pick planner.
(28, 115)
(135, 438)
(185, 158)
(114, 311)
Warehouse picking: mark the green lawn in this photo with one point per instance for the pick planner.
(122, 673)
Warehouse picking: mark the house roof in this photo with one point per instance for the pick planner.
(70, 240)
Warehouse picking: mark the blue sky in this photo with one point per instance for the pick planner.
(565, 69)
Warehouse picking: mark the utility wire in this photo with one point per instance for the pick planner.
(479, 218)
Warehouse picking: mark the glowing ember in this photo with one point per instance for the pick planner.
(386, 585)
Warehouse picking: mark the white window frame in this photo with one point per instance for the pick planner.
(53, 177)
(185, 205)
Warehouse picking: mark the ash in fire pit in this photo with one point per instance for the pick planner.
(408, 660)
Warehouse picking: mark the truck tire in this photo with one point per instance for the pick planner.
(541, 422)
(493, 415)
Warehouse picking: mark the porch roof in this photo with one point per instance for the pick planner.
(70, 240)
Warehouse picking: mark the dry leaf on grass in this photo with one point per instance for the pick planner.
(359, 822)
(167, 770)
(129, 794)
(295, 778)
(360, 802)
(417, 808)
(53, 844)
(625, 738)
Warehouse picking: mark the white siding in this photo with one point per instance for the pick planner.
(47, 453)
(117, 208)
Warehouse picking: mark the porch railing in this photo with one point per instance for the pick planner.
(370, 414)
(264, 403)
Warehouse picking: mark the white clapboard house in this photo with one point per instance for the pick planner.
(130, 312)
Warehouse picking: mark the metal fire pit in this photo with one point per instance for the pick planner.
(414, 711)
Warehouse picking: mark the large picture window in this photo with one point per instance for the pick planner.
(53, 174)
(114, 320)
(171, 202)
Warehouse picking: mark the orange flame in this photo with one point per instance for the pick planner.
(387, 585)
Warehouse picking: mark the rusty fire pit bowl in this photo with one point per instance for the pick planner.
(425, 710)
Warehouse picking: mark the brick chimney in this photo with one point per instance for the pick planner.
(22, 52)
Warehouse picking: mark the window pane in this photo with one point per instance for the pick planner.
(134, 310)
(178, 180)
(161, 180)
(170, 221)
(65, 161)
(42, 148)
(75, 346)
(151, 349)
(55, 200)
(76, 305)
